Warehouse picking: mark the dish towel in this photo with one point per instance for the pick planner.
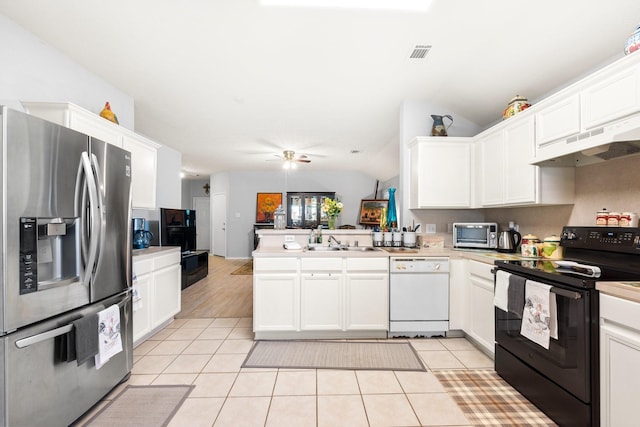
(516, 295)
(109, 338)
(536, 317)
(501, 293)
(86, 337)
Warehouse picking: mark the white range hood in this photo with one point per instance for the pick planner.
(611, 141)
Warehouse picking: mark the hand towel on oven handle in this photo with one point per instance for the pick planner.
(539, 318)
(500, 295)
(109, 336)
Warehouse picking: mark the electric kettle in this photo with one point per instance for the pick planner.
(508, 241)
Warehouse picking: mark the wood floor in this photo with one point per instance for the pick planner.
(220, 294)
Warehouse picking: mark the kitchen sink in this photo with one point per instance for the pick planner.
(323, 248)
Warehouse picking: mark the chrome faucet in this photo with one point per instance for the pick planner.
(334, 239)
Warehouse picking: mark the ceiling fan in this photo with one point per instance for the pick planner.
(290, 159)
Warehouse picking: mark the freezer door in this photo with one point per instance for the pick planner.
(112, 166)
(40, 162)
(41, 390)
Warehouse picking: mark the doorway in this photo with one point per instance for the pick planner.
(220, 224)
(202, 206)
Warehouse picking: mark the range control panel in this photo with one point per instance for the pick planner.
(612, 239)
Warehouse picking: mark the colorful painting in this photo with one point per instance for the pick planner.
(371, 211)
(266, 204)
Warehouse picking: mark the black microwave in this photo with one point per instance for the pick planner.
(475, 235)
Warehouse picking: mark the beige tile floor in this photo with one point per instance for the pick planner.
(208, 353)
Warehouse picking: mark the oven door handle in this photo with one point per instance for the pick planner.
(565, 293)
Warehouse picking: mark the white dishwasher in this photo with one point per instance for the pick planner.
(418, 296)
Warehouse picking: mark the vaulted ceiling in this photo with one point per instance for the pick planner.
(232, 83)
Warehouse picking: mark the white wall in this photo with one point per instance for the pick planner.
(193, 188)
(33, 71)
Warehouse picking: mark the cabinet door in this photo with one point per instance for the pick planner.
(520, 180)
(611, 99)
(481, 325)
(275, 302)
(557, 121)
(142, 304)
(441, 174)
(493, 166)
(620, 356)
(143, 172)
(321, 301)
(619, 359)
(367, 302)
(458, 288)
(166, 294)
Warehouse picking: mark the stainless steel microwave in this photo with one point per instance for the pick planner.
(475, 235)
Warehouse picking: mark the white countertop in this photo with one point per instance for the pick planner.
(153, 250)
(487, 257)
(625, 290)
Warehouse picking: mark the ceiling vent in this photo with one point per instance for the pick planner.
(419, 51)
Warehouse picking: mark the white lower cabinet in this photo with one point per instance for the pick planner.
(158, 291)
(458, 289)
(619, 361)
(321, 301)
(367, 301)
(276, 298)
(324, 297)
(480, 324)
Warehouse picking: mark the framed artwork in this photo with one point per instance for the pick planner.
(371, 211)
(266, 204)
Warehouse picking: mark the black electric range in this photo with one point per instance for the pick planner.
(563, 380)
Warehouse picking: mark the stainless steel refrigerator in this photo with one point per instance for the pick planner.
(65, 235)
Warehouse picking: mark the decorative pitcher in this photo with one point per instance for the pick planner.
(438, 128)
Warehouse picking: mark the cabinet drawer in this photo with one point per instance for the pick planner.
(143, 266)
(367, 264)
(321, 264)
(163, 261)
(481, 269)
(275, 264)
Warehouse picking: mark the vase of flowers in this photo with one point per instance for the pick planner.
(332, 208)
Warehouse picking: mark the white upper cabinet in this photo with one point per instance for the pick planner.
(611, 97)
(441, 172)
(556, 122)
(567, 120)
(509, 179)
(143, 150)
(76, 118)
(507, 176)
(143, 165)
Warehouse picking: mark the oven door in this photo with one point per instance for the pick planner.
(567, 362)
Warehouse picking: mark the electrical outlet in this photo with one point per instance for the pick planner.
(289, 238)
(430, 228)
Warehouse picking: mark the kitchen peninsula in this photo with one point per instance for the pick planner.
(335, 294)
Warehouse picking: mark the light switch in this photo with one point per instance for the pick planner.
(237, 214)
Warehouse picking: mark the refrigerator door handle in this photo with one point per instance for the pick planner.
(34, 339)
(88, 184)
(102, 211)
